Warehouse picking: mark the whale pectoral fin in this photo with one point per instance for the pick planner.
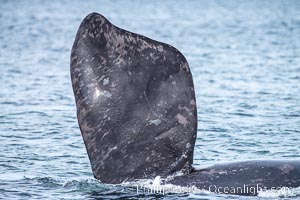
(135, 102)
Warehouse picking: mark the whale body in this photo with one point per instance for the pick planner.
(244, 178)
(136, 110)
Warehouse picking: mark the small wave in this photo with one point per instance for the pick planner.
(50, 181)
(242, 114)
(39, 113)
(88, 183)
(45, 181)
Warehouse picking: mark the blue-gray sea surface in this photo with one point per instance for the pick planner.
(244, 57)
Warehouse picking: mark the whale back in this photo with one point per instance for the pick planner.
(135, 100)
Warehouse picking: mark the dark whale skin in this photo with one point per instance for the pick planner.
(244, 178)
(135, 100)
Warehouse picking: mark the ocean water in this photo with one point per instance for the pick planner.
(245, 61)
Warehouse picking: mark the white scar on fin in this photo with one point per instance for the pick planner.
(182, 119)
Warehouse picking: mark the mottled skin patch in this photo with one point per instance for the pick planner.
(286, 168)
(135, 101)
(264, 174)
